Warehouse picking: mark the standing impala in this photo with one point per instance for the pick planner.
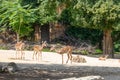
(38, 50)
(19, 46)
(64, 50)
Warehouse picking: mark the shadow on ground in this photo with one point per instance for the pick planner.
(56, 72)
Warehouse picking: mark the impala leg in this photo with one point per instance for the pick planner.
(68, 58)
(22, 55)
(41, 56)
(18, 54)
(33, 55)
(36, 55)
(71, 58)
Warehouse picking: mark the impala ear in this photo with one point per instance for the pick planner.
(45, 41)
(42, 42)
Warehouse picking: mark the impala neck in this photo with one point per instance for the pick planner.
(42, 46)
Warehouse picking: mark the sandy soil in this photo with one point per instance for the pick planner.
(50, 68)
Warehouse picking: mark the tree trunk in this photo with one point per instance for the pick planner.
(107, 43)
(45, 34)
(60, 8)
(18, 37)
(36, 33)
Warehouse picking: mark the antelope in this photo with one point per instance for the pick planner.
(64, 50)
(79, 59)
(103, 57)
(19, 46)
(38, 50)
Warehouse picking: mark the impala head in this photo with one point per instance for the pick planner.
(52, 48)
(44, 44)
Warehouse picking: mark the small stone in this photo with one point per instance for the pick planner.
(12, 67)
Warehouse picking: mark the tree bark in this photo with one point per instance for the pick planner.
(45, 33)
(36, 33)
(107, 43)
(18, 37)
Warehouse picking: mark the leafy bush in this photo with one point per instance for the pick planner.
(98, 51)
(46, 50)
(3, 48)
(117, 46)
(86, 34)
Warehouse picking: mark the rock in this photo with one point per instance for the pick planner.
(86, 78)
(4, 68)
(10, 67)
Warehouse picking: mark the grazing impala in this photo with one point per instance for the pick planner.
(65, 50)
(19, 46)
(38, 50)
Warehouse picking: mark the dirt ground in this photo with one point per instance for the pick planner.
(50, 68)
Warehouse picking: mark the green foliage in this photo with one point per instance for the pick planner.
(46, 50)
(3, 48)
(116, 35)
(84, 52)
(66, 17)
(98, 51)
(92, 35)
(116, 40)
(45, 10)
(100, 14)
(20, 14)
(117, 46)
(18, 17)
